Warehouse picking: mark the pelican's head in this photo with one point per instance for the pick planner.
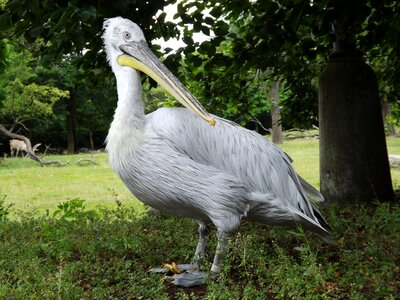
(126, 47)
(118, 33)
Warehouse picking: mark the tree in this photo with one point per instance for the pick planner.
(77, 117)
(291, 38)
(66, 27)
(74, 28)
(353, 162)
(22, 100)
(245, 100)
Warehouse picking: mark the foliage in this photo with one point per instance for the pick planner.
(155, 97)
(32, 101)
(73, 209)
(293, 40)
(89, 100)
(3, 55)
(39, 96)
(67, 38)
(246, 99)
(22, 99)
(108, 255)
(70, 27)
(4, 208)
(287, 39)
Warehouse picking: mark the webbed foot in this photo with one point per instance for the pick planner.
(184, 275)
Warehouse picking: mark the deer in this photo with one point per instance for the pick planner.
(17, 145)
(21, 146)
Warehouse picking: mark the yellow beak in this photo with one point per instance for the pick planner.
(138, 56)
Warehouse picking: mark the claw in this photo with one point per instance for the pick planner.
(172, 268)
(184, 275)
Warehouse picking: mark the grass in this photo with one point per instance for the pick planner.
(102, 247)
(33, 188)
(105, 254)
(305, 155)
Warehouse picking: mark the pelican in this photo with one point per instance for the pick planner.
(186, 162)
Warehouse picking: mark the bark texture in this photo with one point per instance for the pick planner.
(354, 163)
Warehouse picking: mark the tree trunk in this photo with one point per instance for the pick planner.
(354, 163)
(91, 140)
(71, 108)
(277, 136)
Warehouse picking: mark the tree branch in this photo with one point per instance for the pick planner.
(30, 151)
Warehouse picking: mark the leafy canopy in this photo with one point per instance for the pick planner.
(22, 99)
(292, 40)
(288, 39)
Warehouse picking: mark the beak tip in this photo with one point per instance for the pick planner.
(211, 121)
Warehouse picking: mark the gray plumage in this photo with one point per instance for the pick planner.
(177, 163)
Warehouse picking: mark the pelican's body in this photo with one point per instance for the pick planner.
(177, 163)
(167, 171)
(215, 174)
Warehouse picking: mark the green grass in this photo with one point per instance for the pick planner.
(393, 145)
(103, 246)
(106, 254)
(305, 155)
(33, 188)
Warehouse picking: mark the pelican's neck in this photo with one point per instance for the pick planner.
(130, 109)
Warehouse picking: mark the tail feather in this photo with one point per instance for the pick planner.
(319, 226)
(310, 190)
(300, 209)
(320, 218)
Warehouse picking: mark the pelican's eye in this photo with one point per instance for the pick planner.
(127, 36)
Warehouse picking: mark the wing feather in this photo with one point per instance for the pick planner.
(261, 165)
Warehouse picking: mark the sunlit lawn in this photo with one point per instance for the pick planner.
(33, 188)
(305, 154)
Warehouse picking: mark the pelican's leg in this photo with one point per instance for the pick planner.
(220, 253)
(194, 278)
(191, 276)
(201, 245)
(197, 278)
